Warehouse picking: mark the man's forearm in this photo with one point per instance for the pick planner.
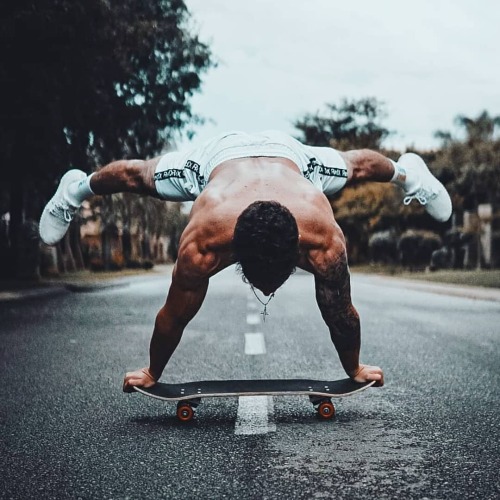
(345, 333)
(166, 337)
(334, 300)
(181, 306)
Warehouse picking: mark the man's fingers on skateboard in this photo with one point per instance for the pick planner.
(379, 379)
(139, 378)
(366, 373)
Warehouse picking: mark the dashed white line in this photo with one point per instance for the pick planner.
(253, 415)
(253, 319)
(255, 344)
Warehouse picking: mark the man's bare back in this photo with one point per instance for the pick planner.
(206, 241)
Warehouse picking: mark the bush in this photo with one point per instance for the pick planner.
(137, 264)
(383, 247)
(96, 264)
(133, 264)
(416, 247)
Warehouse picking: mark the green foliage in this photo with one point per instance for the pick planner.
(112, 77)
(470, 165)
(83, 83)
(351, 124)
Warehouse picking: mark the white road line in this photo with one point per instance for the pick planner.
(253, 415)
(253, 319)
(255, 343)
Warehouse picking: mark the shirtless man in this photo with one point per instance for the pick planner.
(261, 201)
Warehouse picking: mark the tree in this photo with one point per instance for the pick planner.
(471, 164)
(83, 83)
(347, 125)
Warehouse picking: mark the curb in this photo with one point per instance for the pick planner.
(80, 286)
(92, 287)
(11, 296)
(48, 291)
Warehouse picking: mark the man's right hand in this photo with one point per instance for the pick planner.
(139, 378)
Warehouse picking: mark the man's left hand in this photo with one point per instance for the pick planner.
(367, 373)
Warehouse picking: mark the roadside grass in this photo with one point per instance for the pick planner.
(472, 277)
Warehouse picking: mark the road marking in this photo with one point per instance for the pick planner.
(253, 415)
(255, 344)
(253, 319)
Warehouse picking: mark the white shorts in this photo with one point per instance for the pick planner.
(182, 176)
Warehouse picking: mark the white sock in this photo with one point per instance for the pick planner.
(407, 180)
(79, 191)
(399, 176)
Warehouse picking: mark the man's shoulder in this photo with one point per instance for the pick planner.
(193, 266)
(201, 253)
(329, 253)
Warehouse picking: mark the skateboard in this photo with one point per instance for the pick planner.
(189, 395)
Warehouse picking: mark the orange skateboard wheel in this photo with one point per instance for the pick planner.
(185, 412)
(326, 410)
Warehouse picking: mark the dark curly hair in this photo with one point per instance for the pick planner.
(266, 243)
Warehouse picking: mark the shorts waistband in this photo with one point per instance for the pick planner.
(275, 150)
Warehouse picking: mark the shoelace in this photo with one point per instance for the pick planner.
(421, 195)
(63, 211)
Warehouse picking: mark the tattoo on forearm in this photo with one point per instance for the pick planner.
(333, 293)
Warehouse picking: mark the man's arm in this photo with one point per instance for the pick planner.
(181, 306)
(183, 302)
(333, 294)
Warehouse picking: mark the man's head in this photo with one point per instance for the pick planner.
(266, 244)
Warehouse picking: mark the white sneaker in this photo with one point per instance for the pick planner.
(59, 212)
(425, 188)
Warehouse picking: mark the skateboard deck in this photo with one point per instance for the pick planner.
(190, 394)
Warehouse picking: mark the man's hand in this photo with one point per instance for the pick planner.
(139, 378)
(366, 373)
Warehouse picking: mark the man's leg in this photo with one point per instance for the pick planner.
(126, 176)
(131, 176)
(410, 173)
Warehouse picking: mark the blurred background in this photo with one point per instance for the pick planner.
(85, 83)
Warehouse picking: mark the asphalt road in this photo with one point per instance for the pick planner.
(68, 431)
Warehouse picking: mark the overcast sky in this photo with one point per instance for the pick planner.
(428, 60)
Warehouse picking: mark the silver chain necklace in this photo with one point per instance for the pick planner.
(264, 312)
